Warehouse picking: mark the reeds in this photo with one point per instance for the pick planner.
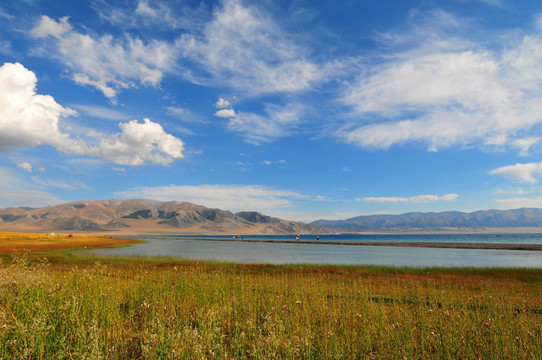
(157, 309)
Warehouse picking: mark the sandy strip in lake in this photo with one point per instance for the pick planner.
(426, 244)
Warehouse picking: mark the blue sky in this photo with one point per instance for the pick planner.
(298, 109)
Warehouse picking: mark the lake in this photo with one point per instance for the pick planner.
(294, 253)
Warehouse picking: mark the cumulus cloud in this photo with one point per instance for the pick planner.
(230, 197)
(49, 27)
(222, 103)
(30, 119)
(25, 166)
(138, 144)
(225, 113)
(412, 199)
(27, 118)
(520, 172)
(444, 91)
(107, 63)
(241, 47)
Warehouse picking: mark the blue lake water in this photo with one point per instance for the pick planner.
(292, 253)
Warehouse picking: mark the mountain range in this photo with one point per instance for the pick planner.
(135, 216)
(140, 216)
(442, 221)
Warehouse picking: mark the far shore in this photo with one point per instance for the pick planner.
(199, 232)
(426, 244)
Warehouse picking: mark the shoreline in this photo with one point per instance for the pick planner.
(426, 244)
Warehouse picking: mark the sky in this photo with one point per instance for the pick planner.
(303, 110)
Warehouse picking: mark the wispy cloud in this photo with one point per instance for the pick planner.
(225, 113)
(243, 48)
(276, 162)
(411, 199)
(102, 112)
(519, 202)
(6, 15)
(230, 197)
(25, 166)
(16, 192)
(151, 14)
(106, 63)
(441, 88)
(277, 121)
(520, 172)
(222, 103)
(60, 184)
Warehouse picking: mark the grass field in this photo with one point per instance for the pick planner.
(85, 307)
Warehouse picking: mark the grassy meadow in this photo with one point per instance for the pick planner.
(74, 307)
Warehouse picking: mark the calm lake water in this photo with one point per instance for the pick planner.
(292, 253)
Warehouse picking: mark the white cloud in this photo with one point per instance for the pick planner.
(221, 103)
(49, 27)
(225, 113)
(58, 183)
(241, 47)
(107, 63)
(30, 119)
(150, 13)
(176, 111)
(444, 91)
(102, 112)
(138, 144)
(520, 172)
(100, 84)
(6, 15)
(497, 3)
(230, 197)
(269, 162)
(25, 166)
(525, 144)
(278, 121)
(412, 199)
(27, 118)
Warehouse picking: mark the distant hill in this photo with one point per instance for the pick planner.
(135, 216)
(518, 218)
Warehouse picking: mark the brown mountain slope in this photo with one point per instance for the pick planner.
(140, 216)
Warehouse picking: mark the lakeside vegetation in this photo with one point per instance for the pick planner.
(12, 242)
(74, 307)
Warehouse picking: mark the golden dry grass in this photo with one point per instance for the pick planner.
(11, 242)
